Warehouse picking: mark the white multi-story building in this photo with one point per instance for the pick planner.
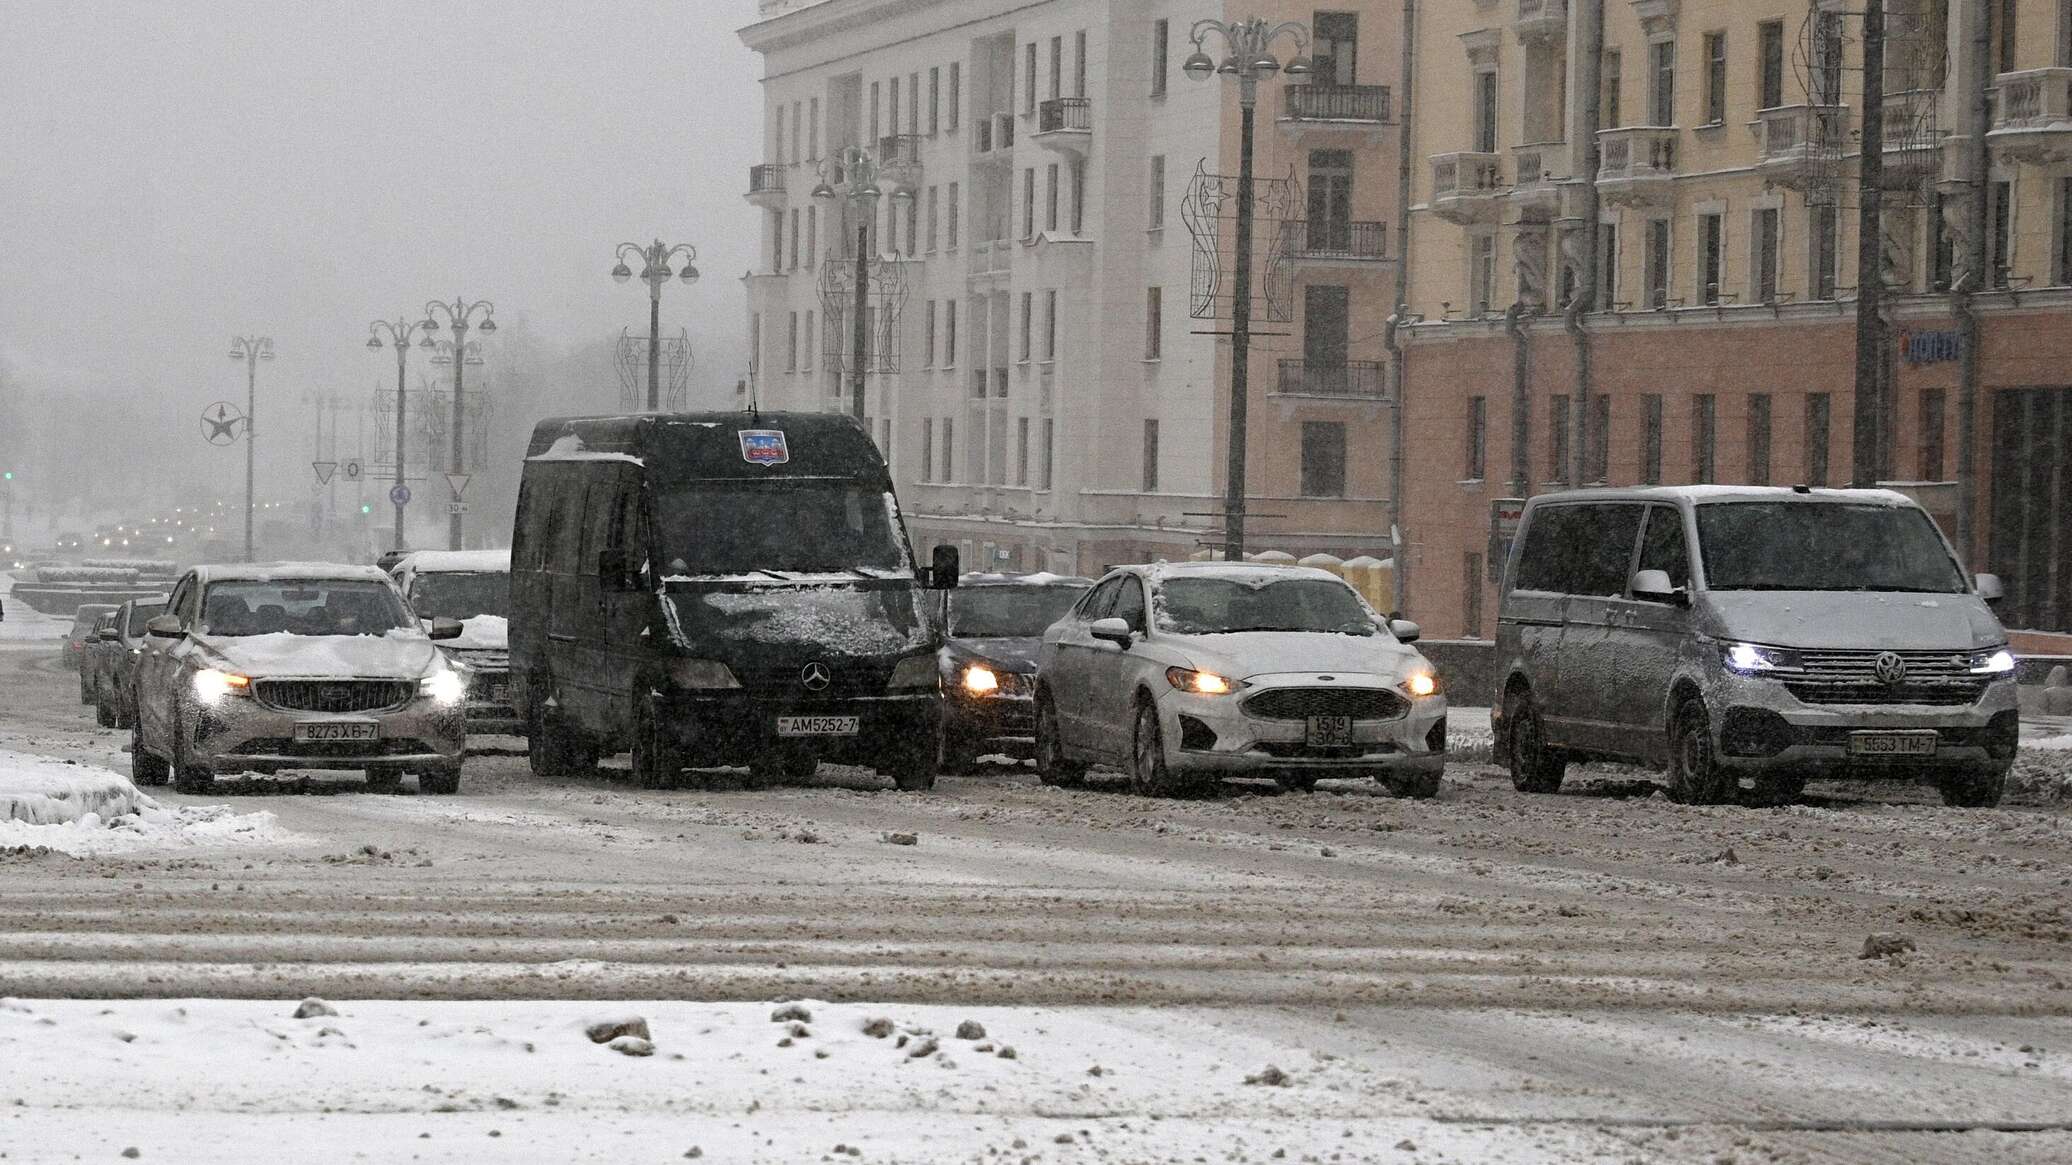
(1044, 397)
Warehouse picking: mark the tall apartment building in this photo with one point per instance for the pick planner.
(1053, 404)
(1715, 145)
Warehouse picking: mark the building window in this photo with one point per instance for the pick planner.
(1323, 459)
(1154, 324)
(874, 111)
(1826, 250)
(791, 343)
(1029, 203)
(1662, 83)
(1477, 460)
(1817, 417)
(1160, 34)
(950, 220)
(1715, 78)
(1658, 263)
(1079, 63)
(1759, 438)
(1607, 266)
(927, 448)
(892, 107)
(1557, 438)
(1057, 67)
(1029, 78)
(797, 141)
(1764, 257)
(1932, 417)
(1600, 437)
(949, 333)
(1608, 92)
(914, 103)
(1021, 450)
(1485, 112)
(1151, 455)
(949, 449)
(777, 154)
(2005, 28)
(812, 237)
(1050, 324)
(1050, 198)
(813, 130)
(956, 94)
(1999, 233)
(913, 231)
(1027, 328)
(792, 257)
(1156, 218)
(1481, 273)
(1651, 439)
(1710, 248)
(811, 342)
(928, 336)
(1335, 55)
(776, 240)
(1769, 69)
(1471, 595)
(1705, 438)
(1043, 464)
(2064, 272)
(934, 100)
(1078, 198)
(934, 207)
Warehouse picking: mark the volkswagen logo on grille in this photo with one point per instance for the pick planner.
(1890, 668)
(815, 677)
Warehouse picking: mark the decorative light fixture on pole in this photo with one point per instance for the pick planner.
(1250, 58)
(251, 350)
(399, 334)
(458, 315)
(654, 272)
(856, 170)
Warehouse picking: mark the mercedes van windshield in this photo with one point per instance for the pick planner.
(794, 524)
(1831, 546)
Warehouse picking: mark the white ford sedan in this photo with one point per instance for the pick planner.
(1181, 674)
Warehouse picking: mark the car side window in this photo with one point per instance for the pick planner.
(1101, 601)
(1664, 548)
(183, 601)
(1129, 603)
(1581, 549)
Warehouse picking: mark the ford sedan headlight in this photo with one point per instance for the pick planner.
(446, 687)
(915, 671)
(1992, 663)
(1422, 684)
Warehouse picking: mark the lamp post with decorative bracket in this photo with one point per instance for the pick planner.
(856, 170)
(655, 272)
(251, 350)
(399, 333)
(459, 317)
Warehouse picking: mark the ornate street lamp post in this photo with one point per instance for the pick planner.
(458, 315)
(1250, 58)
(857, 172)
(399, 334)
(251, 350)
(655, 272)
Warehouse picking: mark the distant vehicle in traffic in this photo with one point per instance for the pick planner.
(1183, 673)
(1729, 632)
(259, 668)
(993, 627)
(70, 543)
(118, 641)
(474, 587)
(720, 589)
(74, 652)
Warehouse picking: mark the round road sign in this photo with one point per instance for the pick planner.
(399, 495)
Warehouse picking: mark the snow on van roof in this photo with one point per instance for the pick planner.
(1040, 578)
(1247, 573)
(275, 571)
(455, 561)
(570, 447)
(1741, 493)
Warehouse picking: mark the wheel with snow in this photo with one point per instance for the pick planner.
(1535, 768)
(1051, 766)
(912, 769)
(552, 749)
(192, 778)
(384, 780)
(959, 753)
(656, 758)
(1150, 776)
(1973, 790)
(1779, 788)
(86, 689)
(104, 709)
(146, 769)
(440, 780)
(1417, 785)
(1695, 775)
(1296, 782)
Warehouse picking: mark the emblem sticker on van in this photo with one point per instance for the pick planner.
(764, 447)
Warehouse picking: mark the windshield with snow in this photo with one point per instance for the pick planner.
(1823, 546)
(1009, 612)
(1214, 606)
(456, 594)
(788, 525)
(848, 621)
(302, 607)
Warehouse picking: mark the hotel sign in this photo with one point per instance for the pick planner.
(1922, 347)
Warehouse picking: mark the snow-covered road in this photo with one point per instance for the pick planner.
(1485, 977)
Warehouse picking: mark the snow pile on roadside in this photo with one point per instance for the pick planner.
(80, 809)
(41, 790)
(21, 624)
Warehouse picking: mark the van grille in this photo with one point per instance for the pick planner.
(334, 695)
(1850, 677)
(1302, 703)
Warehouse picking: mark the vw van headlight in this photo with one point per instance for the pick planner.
(915, 671)
(1992, 663)
(1751, 659)
(701, 674)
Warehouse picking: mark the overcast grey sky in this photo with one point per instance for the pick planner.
(176, 171)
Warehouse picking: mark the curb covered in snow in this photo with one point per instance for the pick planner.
(42, 790)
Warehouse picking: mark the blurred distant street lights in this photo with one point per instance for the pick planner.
(458, 315)
(251, 350)
(399, 333)
(1250, 57)
(655, 272)
(857, 172)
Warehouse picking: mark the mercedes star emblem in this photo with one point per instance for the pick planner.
(816, 677)
(1891, 669)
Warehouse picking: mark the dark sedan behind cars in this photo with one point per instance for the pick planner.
(112, 654)
(993, 626)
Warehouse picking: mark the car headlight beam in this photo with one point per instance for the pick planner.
(980, 680)
(446, 687)
(1993, 663)
(1750, 659)
(1200, 683)
(1422, 684)
(212, 686)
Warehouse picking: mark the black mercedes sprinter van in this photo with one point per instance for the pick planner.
(710, 589)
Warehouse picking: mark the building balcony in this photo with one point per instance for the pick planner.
(1801, 145)
(1537, 20)
(992, 259)
(1065, 124)
(2032, 118)
(1330, 242)
(766, 186)
(1539, 172)
(993, 138)
(1322, 114)
(1637, 165)
(1913, 139)
(900, 150)
(1335, 379)
(1467, 187)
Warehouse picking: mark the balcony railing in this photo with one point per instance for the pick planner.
(1328, 238)
(1466, 173)
(1362, 103)
(2032, 121)
(1346, 378)
(766, 179)
(899, 149)
(1541, 19)
(1791, 131)
(1636, 163)
(1062, 114)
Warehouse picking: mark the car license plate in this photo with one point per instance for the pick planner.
(816, 725)
(338, 730)
(1892, 744)
(1329, 731)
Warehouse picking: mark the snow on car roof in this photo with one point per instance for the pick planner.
(1245, 573)
(457, 561)
(276, 571)
(1732, 493)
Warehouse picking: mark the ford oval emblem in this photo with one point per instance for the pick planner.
(1327, 679)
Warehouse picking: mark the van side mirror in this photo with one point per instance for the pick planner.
(613, 574)
(163, 627)
(1990, 588)
(1111, 630)
(943, 568)
(1653, 586)
(1405, 631)
(444, 628)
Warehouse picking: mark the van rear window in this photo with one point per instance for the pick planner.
(1823, 546)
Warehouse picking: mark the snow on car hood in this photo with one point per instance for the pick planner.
(396, 655)
(1885, 621)
(1255, 653)
(482, 633)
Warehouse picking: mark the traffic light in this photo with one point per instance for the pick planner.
(9, 476)
(366, 509)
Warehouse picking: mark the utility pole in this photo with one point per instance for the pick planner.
(399, 333)
(1399, 541)
(1972, 75)
(251, 350)
(1872, 426)
(458, 315)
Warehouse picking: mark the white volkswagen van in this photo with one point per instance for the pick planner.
(1727, 632)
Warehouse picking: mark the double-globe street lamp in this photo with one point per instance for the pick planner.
(1250, 58)
(459, 317)
(858, 173)
(251, 350)
(655, 272)
(399, 333)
